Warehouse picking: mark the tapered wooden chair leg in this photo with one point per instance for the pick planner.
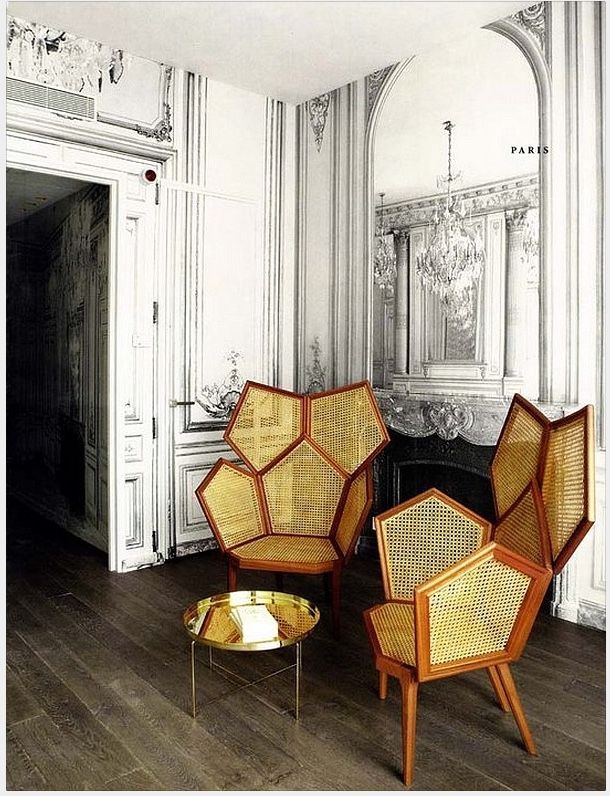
(409, 711)
(496, 683)
(383, 685)
(336, 600)
(232, 571)
(516, 707)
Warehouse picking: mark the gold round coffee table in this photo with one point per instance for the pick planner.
(214, 622)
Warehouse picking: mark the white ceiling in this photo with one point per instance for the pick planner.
(29, 192)
(287, 50)
(484, 85)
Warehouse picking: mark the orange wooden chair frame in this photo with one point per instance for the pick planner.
(295, 464)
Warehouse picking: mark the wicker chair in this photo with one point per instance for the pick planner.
(302, 501)
(457, 602)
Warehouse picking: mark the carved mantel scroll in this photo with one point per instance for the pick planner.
(477, 421)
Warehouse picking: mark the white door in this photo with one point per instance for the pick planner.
(214, 341)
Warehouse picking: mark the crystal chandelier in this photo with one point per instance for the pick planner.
(384, 267)
(451, 264)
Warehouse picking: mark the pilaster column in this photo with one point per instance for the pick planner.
(401, 302)
(516, 221)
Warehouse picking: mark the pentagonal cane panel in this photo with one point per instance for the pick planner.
(474, 615)
(422, 540)
(517, 456)
(394, 631)
(564, 481)
(520, 530)
(346, 425)
(230, 501)
(351, 515)
(302, 491)
(264, 424)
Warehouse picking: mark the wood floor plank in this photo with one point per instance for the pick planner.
(108, 652)
(100, 752)
(21, 771)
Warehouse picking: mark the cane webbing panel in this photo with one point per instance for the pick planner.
(302, 492)
(345, 425)
(423, 540)
(352, 511)
(233, 503)
(563, 481)
(220, 627)
(474, 615)
(517, 457)
(394, 629)
(519, 530)
(297, 549)
(265, 424)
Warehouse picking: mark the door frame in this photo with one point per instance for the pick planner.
(22, 154)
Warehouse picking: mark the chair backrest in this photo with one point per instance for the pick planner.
(302, 491)
(309, 463)
(347, 424)
(524, 529)
(516, 459)
(265, 422)
(423, 536)
(230, 499)
(568, 483)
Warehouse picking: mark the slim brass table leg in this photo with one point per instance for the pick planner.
(298, 681)
(193, 678)
(210, 659)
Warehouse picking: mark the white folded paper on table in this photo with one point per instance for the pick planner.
(255, 623)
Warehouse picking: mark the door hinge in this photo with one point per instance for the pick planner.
(157, 193)
(154, 428)
(155, 311)
(155, 541)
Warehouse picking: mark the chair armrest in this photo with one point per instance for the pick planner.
(354, 512)
(230, 500)
(478, 612)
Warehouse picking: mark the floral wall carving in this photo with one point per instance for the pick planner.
(318, 114)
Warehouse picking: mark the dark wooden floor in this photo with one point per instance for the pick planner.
(98, 691)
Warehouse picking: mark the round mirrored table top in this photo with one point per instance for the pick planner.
(214, 620)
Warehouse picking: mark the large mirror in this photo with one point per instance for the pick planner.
(456, 277)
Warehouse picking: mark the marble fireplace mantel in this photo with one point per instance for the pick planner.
(477, 419)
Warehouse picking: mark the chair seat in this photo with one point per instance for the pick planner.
(391, 625)
(287, 549)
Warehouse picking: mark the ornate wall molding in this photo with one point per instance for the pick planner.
(316, 374)
(374, 82)
(521, 192)
(533, 20)
(40, 54)
(317, 109)
(477, 421)
(219, 400)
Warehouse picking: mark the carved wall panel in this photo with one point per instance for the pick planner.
(132, 93)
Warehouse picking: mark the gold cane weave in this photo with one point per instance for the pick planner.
(296, 549)
(302, 492)
(218, 626)
(517, 456)
(265, 424)
(352, 512)
(563, 483)
(474, 614)
(393, 626)
(519, 530)
(292, 621)
(423, 540)
(346, 426)
(232, 501)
